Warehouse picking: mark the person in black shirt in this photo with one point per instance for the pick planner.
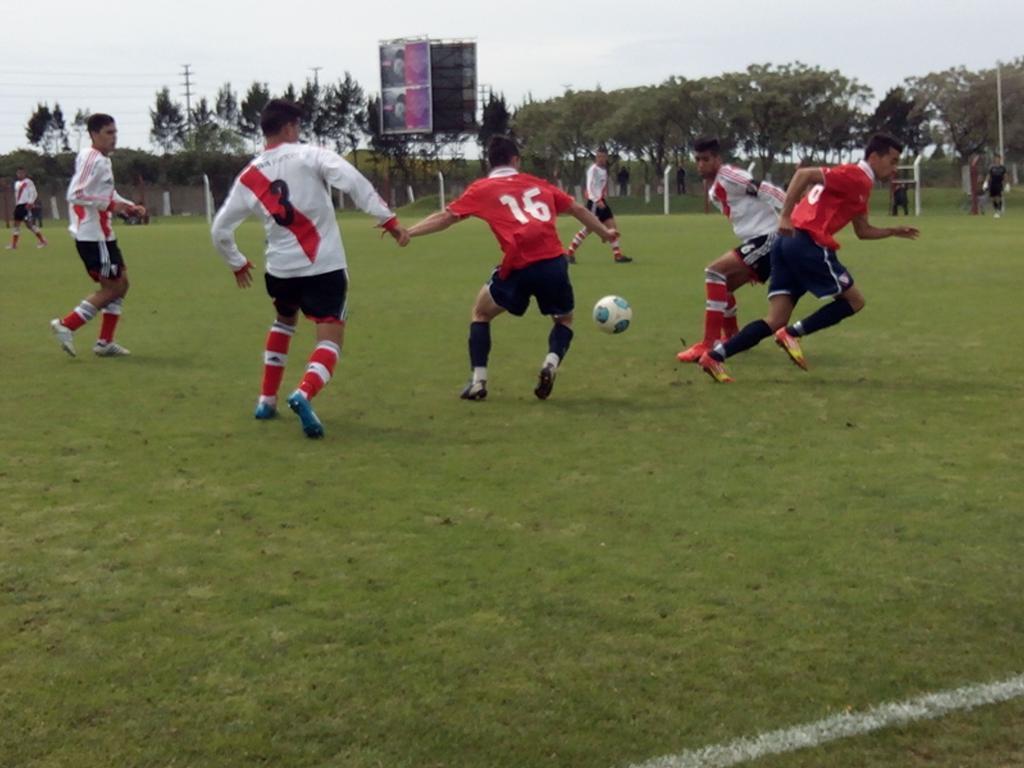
(995, 183)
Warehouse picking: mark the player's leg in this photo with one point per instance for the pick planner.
(275, 358)
(577, 241)
(113, 287)
(997, 205)
(721, 277)
(485, 309)
(35, 230)
(19, 216)
(605, 216)
(323, 298)
(550, 284)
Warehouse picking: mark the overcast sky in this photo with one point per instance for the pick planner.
(74, 54)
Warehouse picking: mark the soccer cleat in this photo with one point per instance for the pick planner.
(43, 244)
(10, 247)
(265, 411)
(109, 349)
(791, 345)
(714, 369)
(693, 354)
(64, 336)
(474, 390)
(622, 259)
(304, 410)
(545, 382)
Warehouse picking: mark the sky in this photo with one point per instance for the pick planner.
(116, 61)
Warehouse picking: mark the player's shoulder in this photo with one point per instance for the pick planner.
(732, 173)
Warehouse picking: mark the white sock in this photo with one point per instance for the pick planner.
(552, 359)
(479, 374)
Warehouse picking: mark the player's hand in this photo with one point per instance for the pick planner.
(138, 210)
(401, 235)
(785, 226)
(243, 276)
(609, 235)
(911, 233)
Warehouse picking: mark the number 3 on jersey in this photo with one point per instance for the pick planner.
(538, 209)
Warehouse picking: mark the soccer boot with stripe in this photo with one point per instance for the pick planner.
(109, 349)
(304, 410)
(545, 382)
(265, 411)
(693, 353)
(64, 336)
(474, 390)
(714, 369)
(791, 346)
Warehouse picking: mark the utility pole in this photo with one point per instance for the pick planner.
(188, 96)
(316, 76)
(999, 107)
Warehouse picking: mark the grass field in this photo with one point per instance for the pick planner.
(643, 564)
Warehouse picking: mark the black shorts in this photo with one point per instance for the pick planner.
(322, 298)
(102, 258)
(547, 281)
(994, 190)
(23, 212)
(603, 214)
(756, 253)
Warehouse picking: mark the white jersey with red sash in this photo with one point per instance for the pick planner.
(287, 187)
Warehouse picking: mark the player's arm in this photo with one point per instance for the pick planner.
(435, 222)
(342, 175)
(232, 213)
(591, 222)
(866, 231)
(122, 204)
(803, 179)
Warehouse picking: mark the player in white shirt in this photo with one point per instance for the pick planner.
(93, 201)
(24, 200)
(287, 187)
(597, 202)
(753, 210)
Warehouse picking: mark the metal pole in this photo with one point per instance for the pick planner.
(440, 188)
(668, 170)
(999, 107)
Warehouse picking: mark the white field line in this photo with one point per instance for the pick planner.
(842, 726)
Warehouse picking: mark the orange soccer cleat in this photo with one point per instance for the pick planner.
(714, 369)
(791, 345)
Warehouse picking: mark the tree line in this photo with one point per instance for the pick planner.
(770, 113)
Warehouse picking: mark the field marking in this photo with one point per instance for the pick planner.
(842, 726)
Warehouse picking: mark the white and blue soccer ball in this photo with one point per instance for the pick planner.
(612, 314)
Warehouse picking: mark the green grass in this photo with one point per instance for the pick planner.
(643, 564)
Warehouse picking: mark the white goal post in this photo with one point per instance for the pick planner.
(910, 175)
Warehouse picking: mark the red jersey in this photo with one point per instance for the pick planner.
(828, 208)
(520, 210)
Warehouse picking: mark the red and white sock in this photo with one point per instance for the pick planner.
(110, 315)
(320, 368)
(577, 240)
(275, 357)
(714, 306)
(14, 238)
(79, 316)
(616, 249)
(730, 322)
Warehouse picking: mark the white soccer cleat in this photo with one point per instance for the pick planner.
(110, 349)
(64, 336)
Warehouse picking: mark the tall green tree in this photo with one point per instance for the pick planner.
(345, 115)
(496, 119)
(903, 117)
(962, 102)
(38, 125)
(168, 119)
(252, 105)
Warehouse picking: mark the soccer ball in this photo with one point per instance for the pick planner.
(613, 314)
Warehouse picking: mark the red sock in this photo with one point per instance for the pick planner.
(320, 368)
(616, 250)
(79, 316)
(275, 357)
(109, 325)
(730, 322)
(14, 240)
(717, 298)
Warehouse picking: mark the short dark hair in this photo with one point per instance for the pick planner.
(277, 114)
(881, 143)
(98, 122)
(501, 150)
(708, 144)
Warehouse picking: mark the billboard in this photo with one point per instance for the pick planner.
(427, 86)
(406, 105)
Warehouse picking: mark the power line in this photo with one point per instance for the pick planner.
(188, 97)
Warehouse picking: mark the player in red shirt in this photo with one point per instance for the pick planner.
(804, 256)
(521, 211)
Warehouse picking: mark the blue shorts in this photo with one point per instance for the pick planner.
(800, 265)
(546, 280)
